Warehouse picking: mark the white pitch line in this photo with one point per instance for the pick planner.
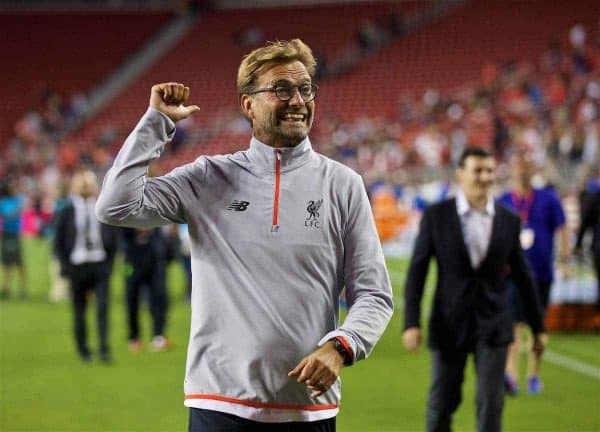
(572, 364)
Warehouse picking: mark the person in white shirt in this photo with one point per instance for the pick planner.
(85, 249)
(473, 241)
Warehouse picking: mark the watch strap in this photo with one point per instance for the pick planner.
(344, 349)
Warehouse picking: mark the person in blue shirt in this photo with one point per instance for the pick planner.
(542, 217)
(11, 208)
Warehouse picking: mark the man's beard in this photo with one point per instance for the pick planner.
(290, 138)
(286, 136)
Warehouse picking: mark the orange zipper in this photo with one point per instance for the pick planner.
(277, 177)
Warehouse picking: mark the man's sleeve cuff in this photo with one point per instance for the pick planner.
(345, 340)
(154, 114)
(410, 324)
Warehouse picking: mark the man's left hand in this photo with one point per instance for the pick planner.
(320, 369)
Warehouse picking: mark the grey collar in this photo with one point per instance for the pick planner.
(291, 157)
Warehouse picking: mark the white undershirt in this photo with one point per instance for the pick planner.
(90, 249)
(476, 226)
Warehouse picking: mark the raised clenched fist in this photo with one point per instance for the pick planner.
(169, 98)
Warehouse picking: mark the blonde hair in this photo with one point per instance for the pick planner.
(263, 58)
(84, 181)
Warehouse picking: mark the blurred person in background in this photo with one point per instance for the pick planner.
(86, 249)
(590, 221)
(473, 240)
(59, 284)
(542, 217)
(146, 273)
(277, 232)
(11, 208)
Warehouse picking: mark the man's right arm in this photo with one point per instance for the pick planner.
(415, 283)
(588, 217)
(60, 238)
(128, 197)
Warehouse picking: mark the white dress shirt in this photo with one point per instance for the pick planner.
(88, 246)
(476, 226)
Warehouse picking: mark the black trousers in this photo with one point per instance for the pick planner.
(154, 280)
(186, 261)
(202, 420)
(10, 249)
(597, 268)
(445, 394)
(86, 278)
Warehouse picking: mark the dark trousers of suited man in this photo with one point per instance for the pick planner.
(154, 280)
(447, 375)
(87, 279)
(146, 257)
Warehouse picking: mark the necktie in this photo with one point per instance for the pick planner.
(88, 228)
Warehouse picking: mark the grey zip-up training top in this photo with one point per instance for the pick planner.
(276, 235)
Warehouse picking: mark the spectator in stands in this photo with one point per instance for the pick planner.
(370, 36)
(542, 218)
(249, 37)
(473, 241)
(395, 23)
(552, 58)
(146, 270)
(86, 248)
(11, 207)
(577, 38)
(277, 232)
(322, 66)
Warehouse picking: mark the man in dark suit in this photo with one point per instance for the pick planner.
(474, 241)
(86, 249)
(146, 260)
(590, 221)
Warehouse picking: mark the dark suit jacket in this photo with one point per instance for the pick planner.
(144, 254)
(590, 219)
(64, 239)
(470, 305)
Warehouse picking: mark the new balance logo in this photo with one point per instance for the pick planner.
(238, 205)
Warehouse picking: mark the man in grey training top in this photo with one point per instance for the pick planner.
(277, 233)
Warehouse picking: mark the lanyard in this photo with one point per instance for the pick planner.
(523, 205)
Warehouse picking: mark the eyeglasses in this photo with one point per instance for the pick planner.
(284, 93)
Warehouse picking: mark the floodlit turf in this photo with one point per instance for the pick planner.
(43, 386)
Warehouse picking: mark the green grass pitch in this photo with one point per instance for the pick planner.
(44, 386)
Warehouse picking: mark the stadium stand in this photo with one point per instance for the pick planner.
(452, 52)
(42, 52)
(211, 53)
(410, 64)
(386, 83)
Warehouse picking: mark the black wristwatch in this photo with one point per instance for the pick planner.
(343, 350)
